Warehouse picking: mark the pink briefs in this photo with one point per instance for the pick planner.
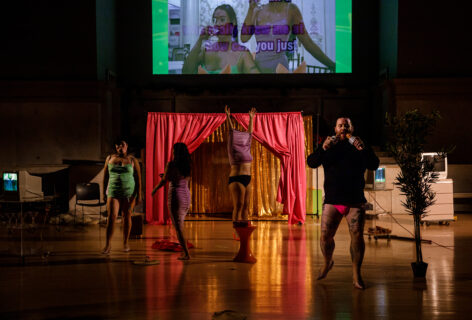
(342, 208)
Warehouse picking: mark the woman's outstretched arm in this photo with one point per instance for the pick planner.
(195, 57)
(249, 22)
(163, 180)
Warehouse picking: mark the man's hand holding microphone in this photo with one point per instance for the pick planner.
(355, 141)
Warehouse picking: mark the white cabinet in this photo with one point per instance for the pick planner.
(443, 208)
(390, 199)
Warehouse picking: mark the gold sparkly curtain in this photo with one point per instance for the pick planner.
(210, 172)
(308, 126)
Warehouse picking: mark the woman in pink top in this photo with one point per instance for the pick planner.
(177, 173)
(287, 19)
(239, 153)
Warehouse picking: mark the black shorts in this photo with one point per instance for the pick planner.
(243, 179)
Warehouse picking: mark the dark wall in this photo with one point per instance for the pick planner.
(48, 122)
(52, 105)
(48, 40)
(328, 104)
(453, 99)
(388, 38)
(425, 47)
(419, 39)
(134, 35)
(433, 38)
(106, 39)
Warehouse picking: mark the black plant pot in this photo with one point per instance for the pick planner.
(419, 269)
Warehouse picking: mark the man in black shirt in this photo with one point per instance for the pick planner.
(345, 159)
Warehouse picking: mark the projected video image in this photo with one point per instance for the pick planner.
(251, 36)
(10, 181)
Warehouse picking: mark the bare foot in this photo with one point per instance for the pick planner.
(184, 257)
(126, 248)
(358, 283)
(324, 272)
(106, 250)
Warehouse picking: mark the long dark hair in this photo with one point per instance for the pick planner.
(232, 17)
(182, 158)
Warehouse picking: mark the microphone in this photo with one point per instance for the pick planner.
(351, 140)
(332, 141)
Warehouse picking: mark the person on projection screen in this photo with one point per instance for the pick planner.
(225, 54)
(276, 25)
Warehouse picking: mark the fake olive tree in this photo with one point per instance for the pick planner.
(409, 133)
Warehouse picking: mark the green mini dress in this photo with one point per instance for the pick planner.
(121, 182)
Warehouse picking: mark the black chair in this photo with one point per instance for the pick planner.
(88, 192)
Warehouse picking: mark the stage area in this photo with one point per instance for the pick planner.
(66, 277)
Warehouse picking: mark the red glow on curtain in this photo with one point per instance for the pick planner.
(163, 130)
(283, 134)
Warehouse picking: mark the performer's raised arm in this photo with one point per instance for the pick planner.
(249, 22)
(228, 118)
(252, 113)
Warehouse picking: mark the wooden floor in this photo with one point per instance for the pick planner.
(76, 282)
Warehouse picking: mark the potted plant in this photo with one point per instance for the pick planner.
(409, 132)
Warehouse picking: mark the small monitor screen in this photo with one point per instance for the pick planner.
(10, 181)
(380, 175)
(439, 164)
(439, 161)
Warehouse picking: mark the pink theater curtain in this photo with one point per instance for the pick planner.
(283, 134)
(163, 130)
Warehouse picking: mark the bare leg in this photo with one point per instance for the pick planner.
(127, 208)
(113, 206)
(178, 208)
(330, 220)
(355, 219)
(237, 191)
(179, 230)
(186, 255)
(247, 201)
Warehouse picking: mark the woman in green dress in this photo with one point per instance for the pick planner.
(122, 189)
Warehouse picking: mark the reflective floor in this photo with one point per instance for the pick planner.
(76, 282)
